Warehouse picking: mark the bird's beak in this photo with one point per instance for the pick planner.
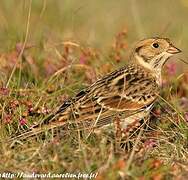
(173, 50)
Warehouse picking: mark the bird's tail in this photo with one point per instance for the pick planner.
(50, 122)
(62, 127)
(47, 125)
(61, 123)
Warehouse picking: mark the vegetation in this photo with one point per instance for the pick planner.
(52, 49)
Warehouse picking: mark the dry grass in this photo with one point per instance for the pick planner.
(45, 59)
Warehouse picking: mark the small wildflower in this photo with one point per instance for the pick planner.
(164, 83)
(184, 102)
(23, 121)
(150, 143)
(186, 116)
(83, 59)
(171, 68)
(157, 112)
(4, 91)
(14, 104)
(30, 110)
(7, 119)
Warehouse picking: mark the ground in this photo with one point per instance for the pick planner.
(50, 50)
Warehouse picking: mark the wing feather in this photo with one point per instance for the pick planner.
(127, 90)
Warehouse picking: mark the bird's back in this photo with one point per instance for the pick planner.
(126, 90)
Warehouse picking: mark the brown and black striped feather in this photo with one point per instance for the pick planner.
(127, 90)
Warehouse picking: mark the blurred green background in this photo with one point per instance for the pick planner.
(93, 22)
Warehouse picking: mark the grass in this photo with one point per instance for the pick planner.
(52, 49)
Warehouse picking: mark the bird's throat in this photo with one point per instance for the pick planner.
(155, 65)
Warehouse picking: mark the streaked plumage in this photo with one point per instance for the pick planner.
(128, 93)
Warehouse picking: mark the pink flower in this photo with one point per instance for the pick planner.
(184, 102)
(23, 121)
(171, 68)
(157, 112)
(45, 110)
(14, 104)
(83, 59)
(7, 119)
(186, 116)
(150, 143)
(4, 91)
(164, 83)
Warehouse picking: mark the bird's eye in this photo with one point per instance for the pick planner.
(155, 45)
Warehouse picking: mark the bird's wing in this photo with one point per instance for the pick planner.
(134, 94)
(127, 90)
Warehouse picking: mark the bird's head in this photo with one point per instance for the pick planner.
(152, 53)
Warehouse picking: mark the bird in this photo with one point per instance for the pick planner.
(128, 93)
